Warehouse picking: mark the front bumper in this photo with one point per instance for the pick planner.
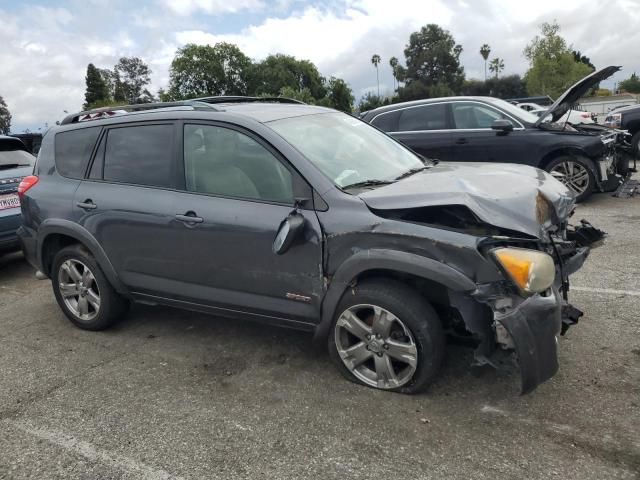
(533, 327)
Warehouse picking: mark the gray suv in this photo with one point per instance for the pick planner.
(304, 217)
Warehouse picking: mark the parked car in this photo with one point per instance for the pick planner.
(304, 217)
(486, 129)
(627, 118)
(15, 164)
(572, 117)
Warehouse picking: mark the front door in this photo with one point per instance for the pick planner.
(237, 191)
(475, 141)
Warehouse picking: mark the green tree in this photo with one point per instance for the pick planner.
(97, 90)
(109, 79)
(511, 86)
(370, 101)
(552, 66)
(277, 71)
(133, 76)
(631, 84)
(339, 95)
(375, 60)
(5, 118)
(201, 70)
(303, 95)
(496, 66)
(433, 64)
(485, 50)
(394, 64)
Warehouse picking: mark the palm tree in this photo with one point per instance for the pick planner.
(496, 66)
(485, 50)
(376, 61)
(393, 61)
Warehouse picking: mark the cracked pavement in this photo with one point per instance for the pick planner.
(173, 394)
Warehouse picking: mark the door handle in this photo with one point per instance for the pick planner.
(189, 217)
(462, 141)
(87, 205)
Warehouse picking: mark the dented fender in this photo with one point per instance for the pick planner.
(383, 259)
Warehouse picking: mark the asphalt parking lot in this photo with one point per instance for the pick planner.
(173, 394)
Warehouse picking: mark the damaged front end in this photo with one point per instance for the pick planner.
(507, 209)
(529, 324)
(615, 163)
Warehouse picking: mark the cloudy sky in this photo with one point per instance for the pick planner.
(46, 44)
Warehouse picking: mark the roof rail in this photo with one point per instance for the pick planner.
(245, 99)
(105, 112)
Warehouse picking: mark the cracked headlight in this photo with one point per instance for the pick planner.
(531, 270)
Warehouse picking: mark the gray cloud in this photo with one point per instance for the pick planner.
(48, 48)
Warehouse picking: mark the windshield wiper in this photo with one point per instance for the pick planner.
(408, 173)
(367, 183)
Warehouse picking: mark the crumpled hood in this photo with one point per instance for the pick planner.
(565, 101)
(503, 195)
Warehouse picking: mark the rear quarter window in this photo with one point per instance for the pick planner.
(73, 151)
(387, 122)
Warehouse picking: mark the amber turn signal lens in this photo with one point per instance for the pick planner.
(531, 270)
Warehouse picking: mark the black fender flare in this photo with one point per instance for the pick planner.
(383, 259)
(83, 236)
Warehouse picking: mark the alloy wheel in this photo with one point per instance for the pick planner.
(573, 174)
(376, 346)
(79, 289)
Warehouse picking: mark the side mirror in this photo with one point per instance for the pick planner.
(290, 228)
(502, 126)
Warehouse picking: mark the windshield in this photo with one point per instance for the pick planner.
(346, 149)
(15, 158)
(515, 111)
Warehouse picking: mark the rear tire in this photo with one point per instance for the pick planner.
(576, 173)
(406, 344)
(83, 292)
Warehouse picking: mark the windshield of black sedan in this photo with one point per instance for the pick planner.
(346, 149)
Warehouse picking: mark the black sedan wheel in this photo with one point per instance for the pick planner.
(575, 173)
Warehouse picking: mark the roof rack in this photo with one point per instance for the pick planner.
(204, 103)
(244, 99)
(106, 112)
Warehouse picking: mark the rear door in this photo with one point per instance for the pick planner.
(426, 129)
(127, 203)
(237, 191)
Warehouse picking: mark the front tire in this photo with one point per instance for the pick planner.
(386, 336)
(576, 173)
(83, 292)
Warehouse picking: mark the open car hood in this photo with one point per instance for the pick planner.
(575, 92)
(514, 197)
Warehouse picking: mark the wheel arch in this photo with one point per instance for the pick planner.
(431, 278)
(56, 234)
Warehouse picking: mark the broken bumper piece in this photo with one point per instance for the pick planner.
(533, 327)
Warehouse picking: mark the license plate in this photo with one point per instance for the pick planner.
(9, 201)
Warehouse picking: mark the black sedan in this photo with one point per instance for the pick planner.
(486, 129)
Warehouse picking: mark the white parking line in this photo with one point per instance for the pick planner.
(609, 291)
(90, 452)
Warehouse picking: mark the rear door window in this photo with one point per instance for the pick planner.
(140, 155)
(424, 117)
(73, 151)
